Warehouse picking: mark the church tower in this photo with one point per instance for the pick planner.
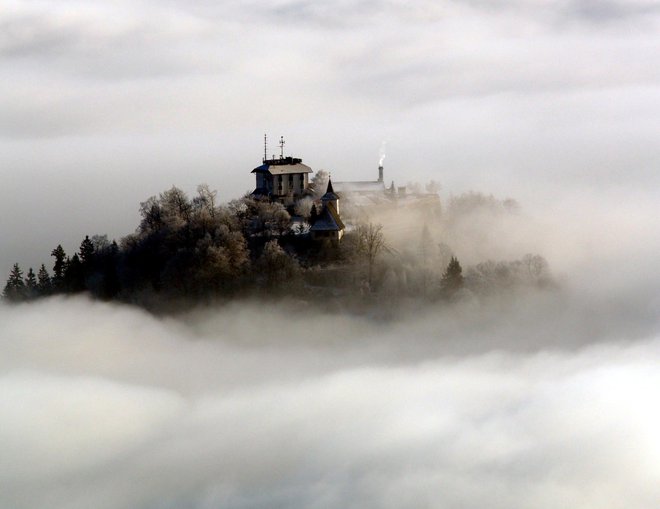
(328, 226)
(330, 198)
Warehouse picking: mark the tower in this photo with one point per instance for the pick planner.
(328, 226)
(330, 198)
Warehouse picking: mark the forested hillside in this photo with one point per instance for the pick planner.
(186, 250)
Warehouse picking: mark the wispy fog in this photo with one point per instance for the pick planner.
(544, 399)
(538, 398)
(540, 405)
(535, 398)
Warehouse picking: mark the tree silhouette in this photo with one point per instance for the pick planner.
(31, 290)
(370, 242)
(74, 275)
(15, 290)
(276, 265)
(86, 251)
(452, 279)
(44, 286)
(58, 267)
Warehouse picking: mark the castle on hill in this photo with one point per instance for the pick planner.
(283, 179)
(286, 180)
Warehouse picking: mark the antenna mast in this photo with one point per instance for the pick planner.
(265, 147)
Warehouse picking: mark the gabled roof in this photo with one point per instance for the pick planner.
(328, 220)
(283, 169)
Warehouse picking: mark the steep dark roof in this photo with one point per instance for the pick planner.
(329, 193)
(328, 220)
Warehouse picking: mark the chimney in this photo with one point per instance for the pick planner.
(380, 173)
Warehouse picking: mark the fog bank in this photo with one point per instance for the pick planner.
(539, 400)
(109, 407)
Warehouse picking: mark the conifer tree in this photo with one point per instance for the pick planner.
(452, 279)
(86, 251)
(31, 284)
(43, 281)
(59, 267)
(15, 288)
(74, 276)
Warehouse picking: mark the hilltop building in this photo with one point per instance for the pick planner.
(282, 179)
(286, 180)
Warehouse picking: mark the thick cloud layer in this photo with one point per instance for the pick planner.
(547, 400)
(107, 407)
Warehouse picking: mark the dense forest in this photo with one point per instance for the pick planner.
(191, 250)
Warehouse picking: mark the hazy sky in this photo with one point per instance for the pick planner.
(548, 400)
(103, 104)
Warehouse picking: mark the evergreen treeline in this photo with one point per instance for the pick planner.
(190, 249)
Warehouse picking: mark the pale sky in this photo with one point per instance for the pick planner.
(544, 400)
(103, 104)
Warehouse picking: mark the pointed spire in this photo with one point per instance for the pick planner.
(330, 198)
(329, 193)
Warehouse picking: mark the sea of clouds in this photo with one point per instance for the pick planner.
(540, 400)
(542, 403)
(535, 399)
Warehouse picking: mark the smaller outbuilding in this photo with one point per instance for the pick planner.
(328, 225)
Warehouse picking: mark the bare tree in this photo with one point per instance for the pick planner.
(304, 207)
(536, 267)
(205, 200)
(176, 207)
(152, 215)
(319, 183)
(100, 243)
(370, 242)
(273, 219)
(276, 264)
